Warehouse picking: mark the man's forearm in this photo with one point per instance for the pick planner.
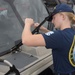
(45, 30)
(26, 33)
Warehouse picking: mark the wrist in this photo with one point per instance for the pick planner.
(28, 24)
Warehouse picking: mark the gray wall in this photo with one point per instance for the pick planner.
(31, 9)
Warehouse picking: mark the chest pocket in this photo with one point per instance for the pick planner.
(72, 53)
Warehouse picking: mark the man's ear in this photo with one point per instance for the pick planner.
(63, 16)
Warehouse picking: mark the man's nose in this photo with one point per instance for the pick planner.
(52, 21)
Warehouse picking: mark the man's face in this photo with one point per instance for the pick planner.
(57, 20)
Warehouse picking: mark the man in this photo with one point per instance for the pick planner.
(61, 41)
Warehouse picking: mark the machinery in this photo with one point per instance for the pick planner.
(16, 58)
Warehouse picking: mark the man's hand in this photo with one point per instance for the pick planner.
(42, 28)
(29, 21)
(36, 25)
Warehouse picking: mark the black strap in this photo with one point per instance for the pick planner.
(13, 70)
